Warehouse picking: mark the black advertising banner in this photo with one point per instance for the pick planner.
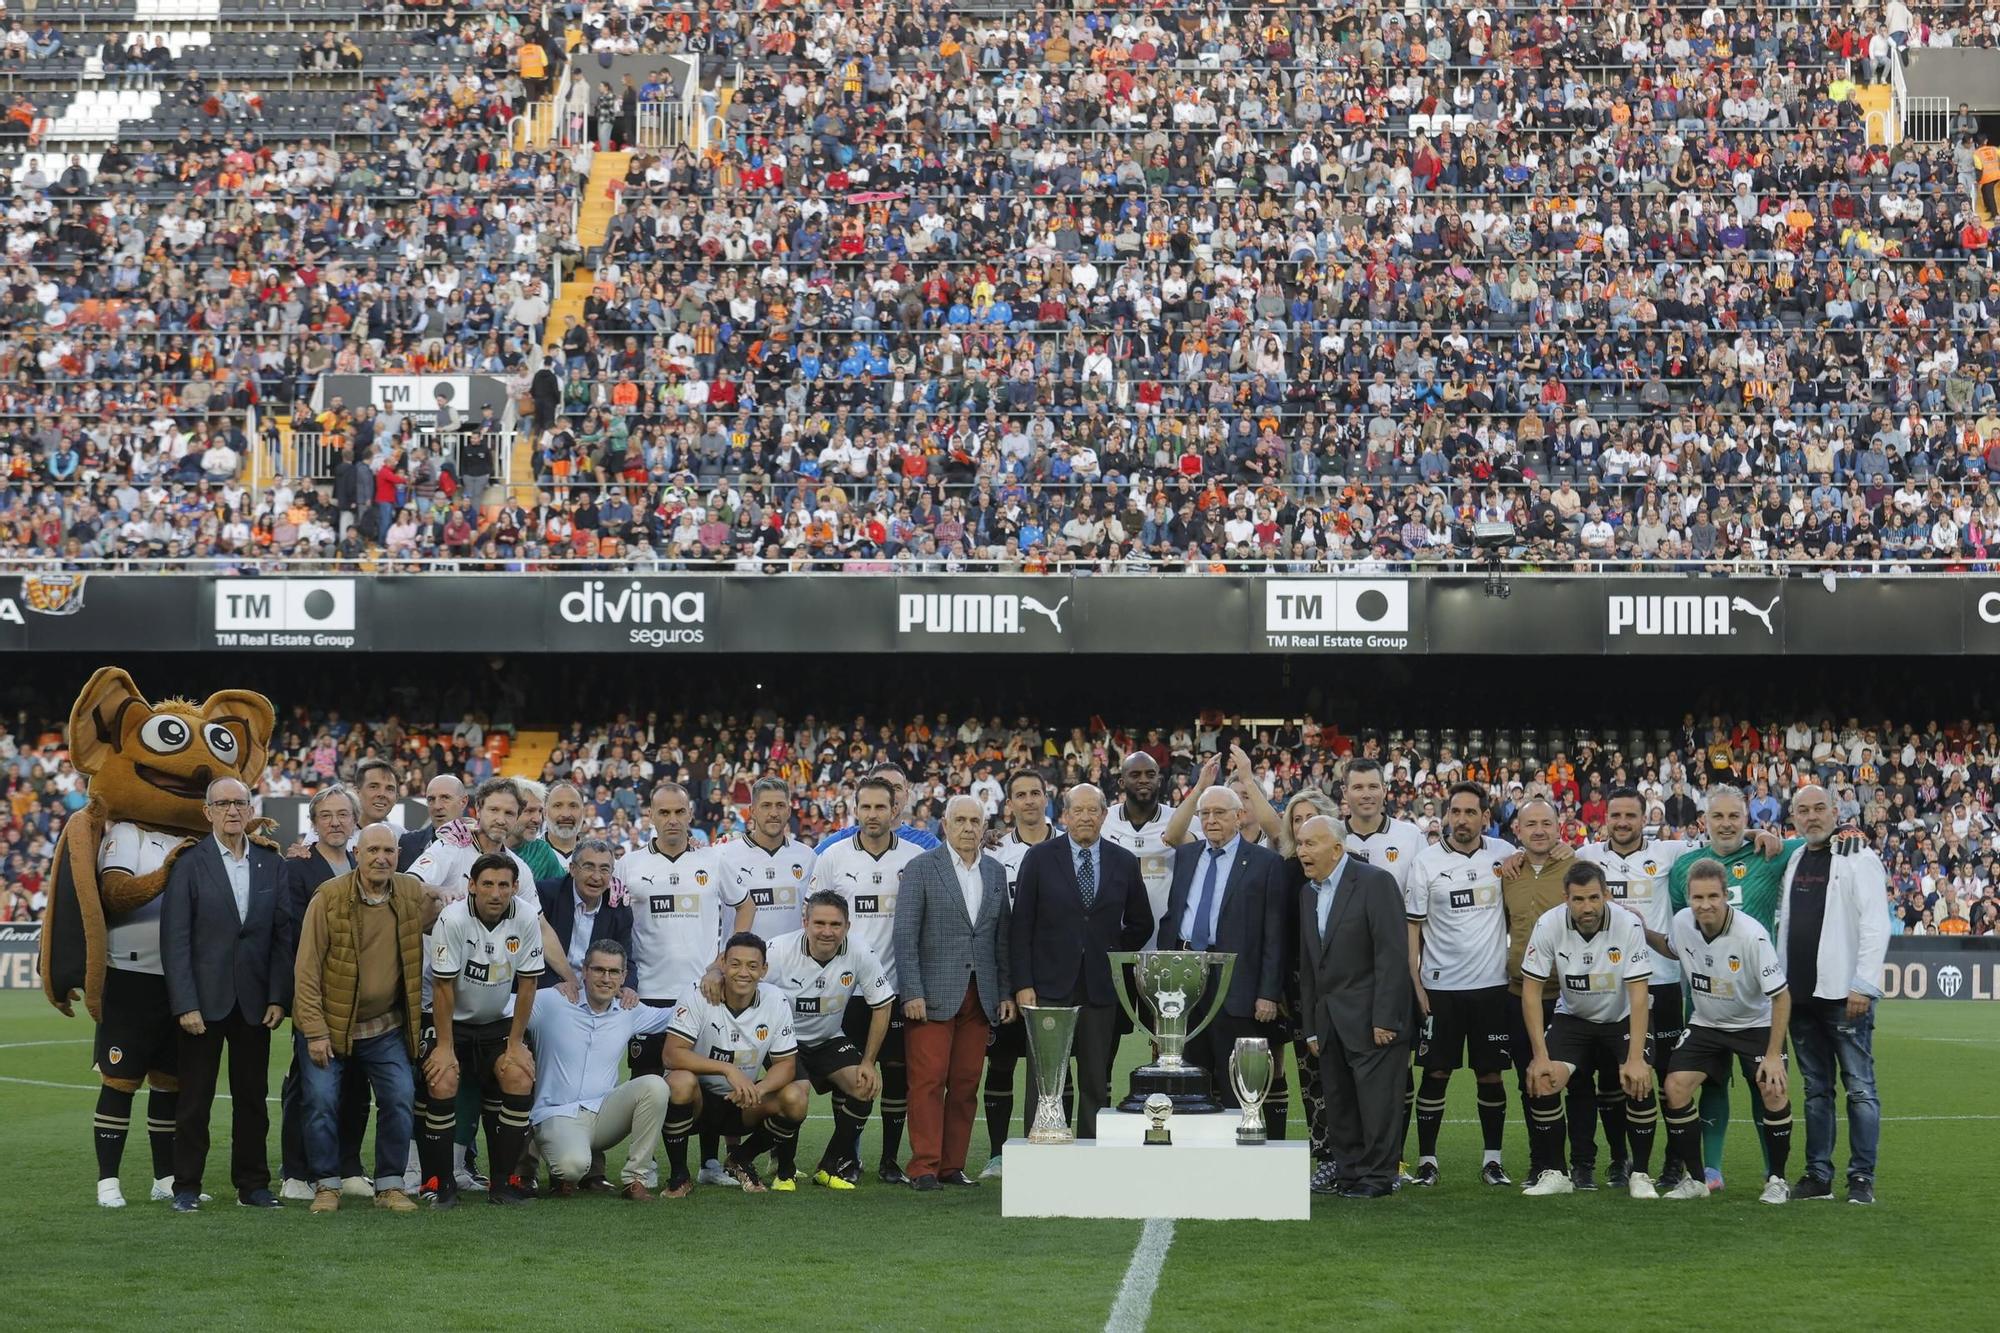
(1026, 615)
(1936, 967)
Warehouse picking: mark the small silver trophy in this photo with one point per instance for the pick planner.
(1250, 1073)
(1050, 1031)
(1159, 1110)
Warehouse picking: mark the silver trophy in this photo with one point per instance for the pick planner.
(1250, 1073)
(1050, 1032)
(1170, 986)
(1159, 1110)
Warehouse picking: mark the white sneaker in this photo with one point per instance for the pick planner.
(109, 1194)
(357, 1187)
(1641, 1186)
(1775, 1191)
(1551, 1182)
(713, 1174)
(299, 1190)
(163, 1191)
(992, 1169)
(469, 1183)
(1690, 1187)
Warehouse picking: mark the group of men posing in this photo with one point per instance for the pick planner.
(887, 970)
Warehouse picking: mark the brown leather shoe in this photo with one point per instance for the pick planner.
(637, 1192)
(561, 1189)
(597, 1185)
(395, 1201)
(325, 1201)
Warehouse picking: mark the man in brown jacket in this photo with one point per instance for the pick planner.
(359, 991)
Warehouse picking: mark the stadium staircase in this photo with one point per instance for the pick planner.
(530, 750)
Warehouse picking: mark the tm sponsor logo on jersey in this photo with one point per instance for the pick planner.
(284, 613)
(656, 617)
(973, 613)
(1691, 616)
(1337, 613)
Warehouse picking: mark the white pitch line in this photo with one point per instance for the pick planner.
(1134, 1305)
(61, 1041)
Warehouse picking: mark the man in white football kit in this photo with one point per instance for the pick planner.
(1635, 876)
(1388, 844)
(447, 863)
(486, 959)
(1027, 808)
(1458, 958)
(865, 870)
(823, 971)
(681, 902)
(714, 1054)
(767, 864)
(1741, 1006)
(1596, 957)
(1138, 823)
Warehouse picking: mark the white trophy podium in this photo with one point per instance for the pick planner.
(1204, 1173)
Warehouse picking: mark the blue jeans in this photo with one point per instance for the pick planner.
(386, 1062)
(1822, 1036)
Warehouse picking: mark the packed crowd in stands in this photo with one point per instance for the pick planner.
(1923, 793)
(1070, 287)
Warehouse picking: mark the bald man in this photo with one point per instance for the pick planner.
(953, 981)
(445, 795)
(1079, 898)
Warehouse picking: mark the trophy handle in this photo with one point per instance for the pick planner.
(1119, 962)
(1227, 961)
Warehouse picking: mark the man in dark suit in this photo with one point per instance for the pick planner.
(1228, 896)
(215, 945)
(952, 976)
(579, 909)
(445, 795)
(1355, 1005)
(1077, 900)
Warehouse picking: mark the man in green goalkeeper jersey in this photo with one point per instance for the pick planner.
(1754, 874)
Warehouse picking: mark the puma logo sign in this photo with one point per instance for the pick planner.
(1750, 608)
(1054, 613)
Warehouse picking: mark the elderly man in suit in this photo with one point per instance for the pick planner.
(1355, 1006)
(1228, 895)
(216, 946)
(951, 962)
(578, 907)
(1077, 900)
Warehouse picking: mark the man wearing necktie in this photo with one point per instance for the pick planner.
(1355, 1006)
(1228, 896)
(1079, 898)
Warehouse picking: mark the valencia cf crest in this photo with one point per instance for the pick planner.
(513, 944)
(1614, 955)
(798, 871)
(1393, 853)
(1735, 963)
(116, 1054)
(763, 1031)
(847, 978)
(701, 877)
(1739, 871)
(1651, 867)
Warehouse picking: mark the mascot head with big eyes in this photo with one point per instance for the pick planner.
(149, 765)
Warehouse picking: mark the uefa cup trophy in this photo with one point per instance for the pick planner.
(1050, 1032)
(1171, 984)
(1250, 1072)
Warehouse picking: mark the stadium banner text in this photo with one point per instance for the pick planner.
(20, 955)
(1217, 614)
(1936, 967)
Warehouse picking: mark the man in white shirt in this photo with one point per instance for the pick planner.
(1027, 807)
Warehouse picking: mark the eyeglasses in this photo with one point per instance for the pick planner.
(229, 805)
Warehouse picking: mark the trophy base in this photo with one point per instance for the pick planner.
(1159, 1138)
(1250, 1136)
(1188, 1088)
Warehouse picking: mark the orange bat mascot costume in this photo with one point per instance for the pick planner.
(149, 768)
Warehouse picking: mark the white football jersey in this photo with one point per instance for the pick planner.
(484, 961)
(776, 881)
(747, 1040)
(1010, 853)
(1639, 881)
(1393, 848)
(132, 939)
(1590, 974)
(678, 917)
(1731, 978)
(447, 867)
(819, 991)
(1456, 899)
(1156, 860)
(869, 884)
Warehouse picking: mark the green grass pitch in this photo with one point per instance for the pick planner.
(1463, 1256)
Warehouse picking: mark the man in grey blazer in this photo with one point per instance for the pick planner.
(1355, 993)
(216, 927)
(951, 966)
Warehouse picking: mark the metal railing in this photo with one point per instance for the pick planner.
(1926, 119)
